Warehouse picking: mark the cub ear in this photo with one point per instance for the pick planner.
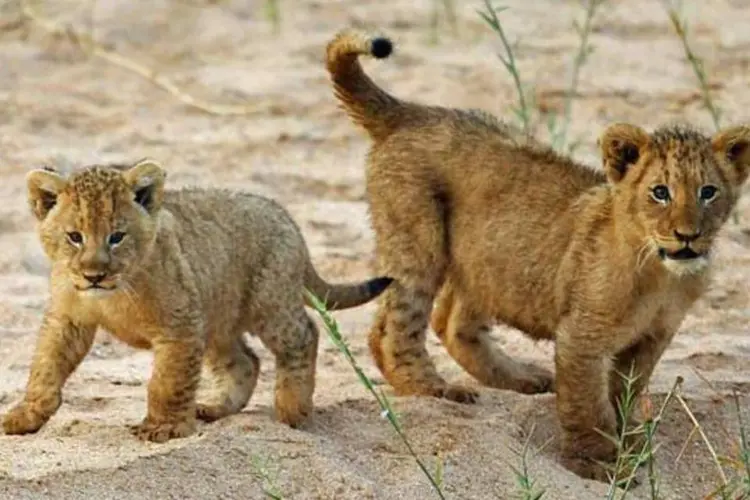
(621, 145)
(42, 186)
(146, 179)
(732, 147)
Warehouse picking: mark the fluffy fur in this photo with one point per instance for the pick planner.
(606, 263)
(184, 273)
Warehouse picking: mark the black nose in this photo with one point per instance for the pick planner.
(95, 279)
(687, 237)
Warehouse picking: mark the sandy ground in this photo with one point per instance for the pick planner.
(61, 107)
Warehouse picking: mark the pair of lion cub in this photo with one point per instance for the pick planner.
(606, 264)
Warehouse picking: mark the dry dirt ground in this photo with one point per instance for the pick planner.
(62, 107)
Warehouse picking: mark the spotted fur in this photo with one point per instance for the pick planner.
(184, 273)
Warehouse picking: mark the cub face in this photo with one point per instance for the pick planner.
(98, 224)
(678, 185)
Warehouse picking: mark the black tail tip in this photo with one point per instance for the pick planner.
(376, 286)
(381, 48)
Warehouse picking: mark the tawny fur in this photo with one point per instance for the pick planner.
(189, 272)
(515, 233)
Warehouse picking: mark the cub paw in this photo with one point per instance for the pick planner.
(161, 432)
(23, 419)
(536, 380)
(459, 394)
(210, 413)
(291, 411)
(451, 392)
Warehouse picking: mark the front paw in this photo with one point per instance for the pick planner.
(161, 432)
(24, 418)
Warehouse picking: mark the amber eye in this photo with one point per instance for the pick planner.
(116, 238)
(660, 193)
(708, 192)
(75, 238)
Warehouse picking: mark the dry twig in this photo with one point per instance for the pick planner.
(697, 426)
(89, 45)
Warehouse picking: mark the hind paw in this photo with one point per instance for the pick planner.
(459, 394)
(161, 432)
(535, 380)
(210, 413)
(451, 392)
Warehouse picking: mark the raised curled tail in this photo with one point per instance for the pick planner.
(367, 104)
(343, 296)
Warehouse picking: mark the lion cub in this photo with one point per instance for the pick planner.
(607, 264)
(184, 273)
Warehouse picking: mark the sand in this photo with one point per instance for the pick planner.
(61, 107)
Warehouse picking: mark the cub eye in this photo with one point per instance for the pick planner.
(708, 192)
(75, 237)
(116, 238)
(660, 193)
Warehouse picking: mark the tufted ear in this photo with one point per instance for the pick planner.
(732, 146)
(621, 145)
(146, 179)
(42, 186)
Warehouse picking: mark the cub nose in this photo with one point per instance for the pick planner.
(96, 278)
(687, 237)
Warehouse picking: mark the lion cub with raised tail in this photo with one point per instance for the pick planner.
(184, 273)
(605, 262)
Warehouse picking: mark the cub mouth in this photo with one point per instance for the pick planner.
(95, 288)
(685, 253)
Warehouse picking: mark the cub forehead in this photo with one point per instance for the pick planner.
(94, 197)
(682, 145)
(685, 153)
(96, 183)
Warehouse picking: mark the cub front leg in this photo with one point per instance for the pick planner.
(62, 345)
(172, 388)
(637, 361)
(584, 410)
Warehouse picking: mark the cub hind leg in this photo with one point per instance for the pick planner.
(466, 336)
(442, 308)
(397, 341)
(293, 339)
(409, 215)
(232, 368)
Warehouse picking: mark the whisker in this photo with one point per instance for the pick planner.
(640, 258)
(130, 292)
(644, 255)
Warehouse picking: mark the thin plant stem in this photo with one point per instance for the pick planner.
(273, 12)
(525, 483)
(681, 29)
(648, 449)
(332, 329)
(509, 61)
(584, 49)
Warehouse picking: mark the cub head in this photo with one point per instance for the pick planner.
(677, 186)
(97, 224)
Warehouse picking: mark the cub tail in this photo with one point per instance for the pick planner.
(367, 105)
(344, 296)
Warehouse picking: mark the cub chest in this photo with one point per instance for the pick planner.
(127, 323)
(656, 315)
